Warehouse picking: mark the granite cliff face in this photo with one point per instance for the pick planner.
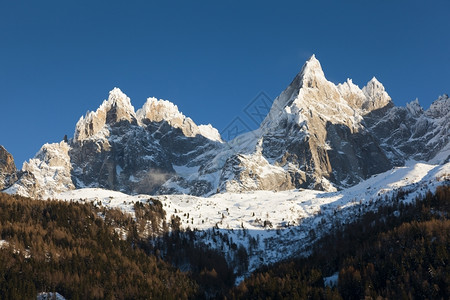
(317, 135)
(8, 171)
(413, 133)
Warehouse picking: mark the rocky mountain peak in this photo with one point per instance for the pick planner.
(312, 73)
(376, 95)
(6, 161)
(45, 175)
(440, 107)
(314, 133)
(352, 94)
(308, 93)
(155, 110)
(414, 108)
(118, 107)
(312, 64)
(115, 109)
(8, 169)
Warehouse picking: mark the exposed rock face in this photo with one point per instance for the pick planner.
(8, 171)
(116, 109)
(47, 174)
(317, 135)
(376, 96)
(412, 133)
(119, 149)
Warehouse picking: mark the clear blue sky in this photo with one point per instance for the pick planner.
(211, 58)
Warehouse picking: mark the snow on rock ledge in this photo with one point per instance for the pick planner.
(155, 110)
(414, 108)
(209, 132)
(47, 174)
(439, 108)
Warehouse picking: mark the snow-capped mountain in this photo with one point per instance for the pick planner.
(120, 149)
(317, 135)
(137, 152)
(324, 155)
(321, 136)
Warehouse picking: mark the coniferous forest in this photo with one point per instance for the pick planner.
(69, 248)
(85, 252)
(381, 255)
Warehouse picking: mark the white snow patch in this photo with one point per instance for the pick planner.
(210, 132)
(332, 280)
(442, 156)
(50, 296)
(185, 171)
(111, 199)
(3, 244)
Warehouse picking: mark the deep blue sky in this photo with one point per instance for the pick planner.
(61, 58)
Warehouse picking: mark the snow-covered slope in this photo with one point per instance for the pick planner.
(280, 222)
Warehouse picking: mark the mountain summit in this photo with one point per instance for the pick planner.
(117, 108)
(314, 136)
(311, 73)
(317, 135)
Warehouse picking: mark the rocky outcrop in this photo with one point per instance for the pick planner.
(248, 172)
(117, 108)
(411, 132)
(47, 174)
(8, 171)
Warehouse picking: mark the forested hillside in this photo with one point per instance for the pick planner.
(74, 249)
(84, 251)
(400, 252)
